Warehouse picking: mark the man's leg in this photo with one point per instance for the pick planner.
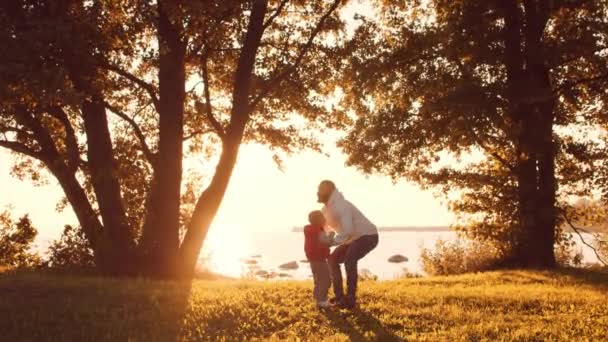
(334, 261)
(359, 248)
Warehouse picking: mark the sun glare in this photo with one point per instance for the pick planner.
(226, 249)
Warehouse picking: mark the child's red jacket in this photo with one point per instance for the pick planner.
(313, 247)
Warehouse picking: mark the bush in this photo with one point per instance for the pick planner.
(16, 240)
(407, 274)
(459, 256)
(71, 251)
(367, 275)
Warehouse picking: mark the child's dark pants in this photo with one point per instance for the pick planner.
(322, 280)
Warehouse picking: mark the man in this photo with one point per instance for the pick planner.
(356, 235)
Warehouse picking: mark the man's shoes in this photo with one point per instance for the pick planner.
(346, 304)
(323, 305)
(335, 300)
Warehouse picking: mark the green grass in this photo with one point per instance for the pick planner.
(509, 305)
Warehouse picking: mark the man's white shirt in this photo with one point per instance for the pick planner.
(345, 219)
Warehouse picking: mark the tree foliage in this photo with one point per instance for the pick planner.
(16, 238)
(71, 251)
(111, 96)
(485, 101)
(488, 102)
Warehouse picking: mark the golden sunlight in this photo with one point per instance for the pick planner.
(226, 250)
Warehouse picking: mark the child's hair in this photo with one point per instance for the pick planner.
(314, 215)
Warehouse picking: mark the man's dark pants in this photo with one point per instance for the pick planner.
(349, 255)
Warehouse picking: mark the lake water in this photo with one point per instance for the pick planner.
(232, 253)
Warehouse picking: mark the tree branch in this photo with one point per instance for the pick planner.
(23, 149)
(536, 18)
(41, 134)
(16, 130)
(276, 13)
(138, 133)
(149, 88)
(572, 84)
(285, 73)
(565, 61)
(208, 107)
(577, 231)
(71, 141)
(193, 88)
(243, 74)
(198, 132)
(497, 156)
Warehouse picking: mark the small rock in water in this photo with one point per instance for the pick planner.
(251, 262)
(397, 258)
(256, 256)
(304, 261)
(284, 275)
(262, 274)
(292, 265)
(266, 274)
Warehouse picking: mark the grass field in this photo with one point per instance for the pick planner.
(509, 305)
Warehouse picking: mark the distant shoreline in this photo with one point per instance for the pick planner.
(585, 230)
(400, 229)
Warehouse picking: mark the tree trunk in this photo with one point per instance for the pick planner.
(525, 162)
(547, 200)
(540, 99)
(115, 248)
(64, 169)
(547, 184)
(210, 200)
(531, 111)
(160, 239)
(205, 210)
(537, 191)
(527, 195)
(87, 218)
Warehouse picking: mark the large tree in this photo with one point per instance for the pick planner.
(106, 95)
(501, 83)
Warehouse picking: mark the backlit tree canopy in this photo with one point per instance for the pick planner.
(503, 84)
(106, 95)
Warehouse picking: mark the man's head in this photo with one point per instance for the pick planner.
(326, 188)
(316, 218)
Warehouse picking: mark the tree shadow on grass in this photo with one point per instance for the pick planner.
(178, 306)
(363, 322)
(73, 308)
(148, 310)
(595, 278)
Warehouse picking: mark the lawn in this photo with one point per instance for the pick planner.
(508, 305)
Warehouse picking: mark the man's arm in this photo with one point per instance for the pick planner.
(346, 226)
(327, 238)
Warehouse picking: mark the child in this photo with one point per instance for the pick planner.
(316, 246)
